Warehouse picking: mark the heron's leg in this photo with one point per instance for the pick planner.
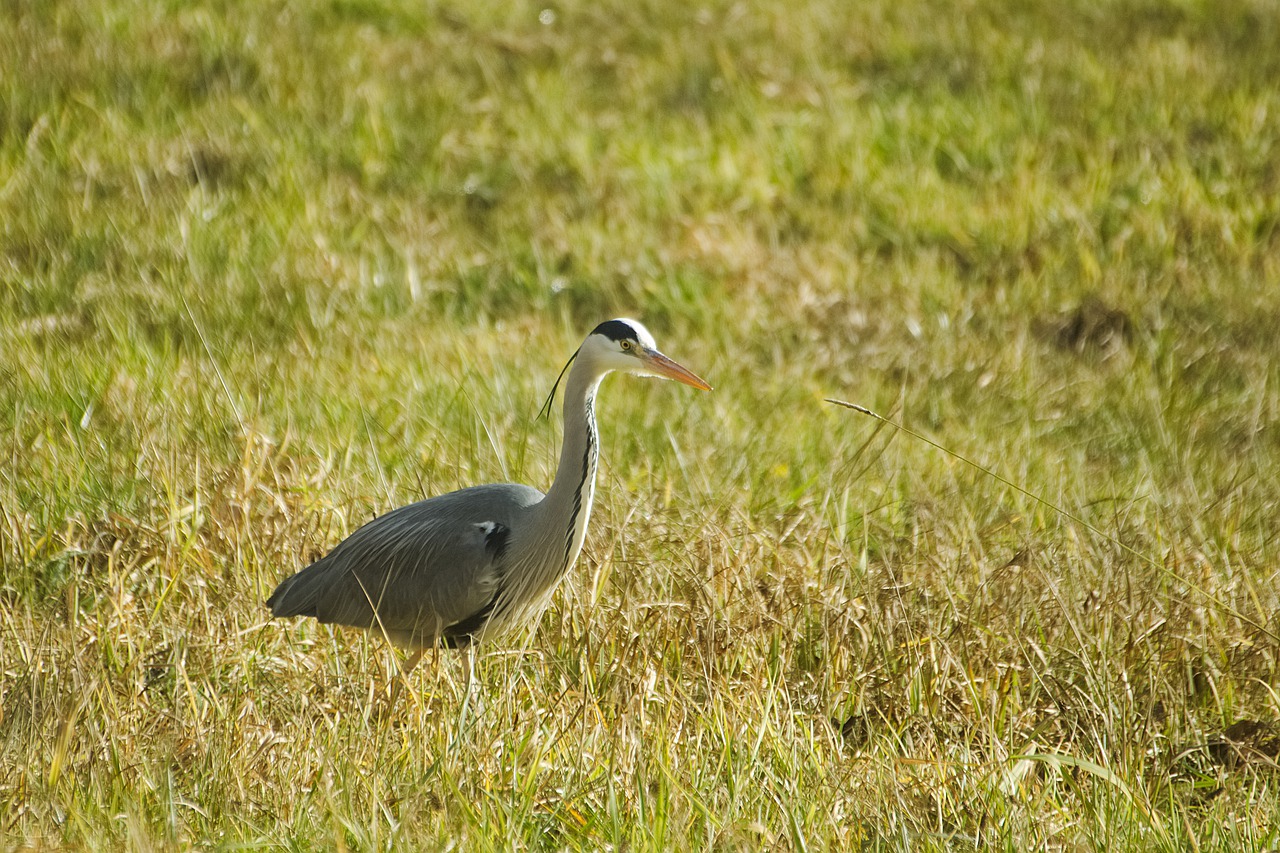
(412, 661)
(398, 680)
(474, 688)
(469, 661)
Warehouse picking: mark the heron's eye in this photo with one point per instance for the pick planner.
(626, 345)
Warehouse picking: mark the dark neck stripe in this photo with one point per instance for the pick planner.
(587, 459)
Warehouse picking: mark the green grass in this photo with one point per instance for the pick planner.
(267, 269)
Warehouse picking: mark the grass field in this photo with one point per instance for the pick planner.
(270, 268)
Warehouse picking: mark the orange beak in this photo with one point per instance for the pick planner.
(668, 369)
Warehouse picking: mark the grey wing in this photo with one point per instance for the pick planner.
(417, 575)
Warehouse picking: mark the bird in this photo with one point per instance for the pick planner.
(462, 567)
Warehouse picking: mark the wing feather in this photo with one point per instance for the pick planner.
(427, 571)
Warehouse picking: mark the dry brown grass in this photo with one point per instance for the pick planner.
(268, 269)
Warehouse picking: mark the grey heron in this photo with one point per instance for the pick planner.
(455, 569)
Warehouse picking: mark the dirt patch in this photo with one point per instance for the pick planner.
(1092, 327)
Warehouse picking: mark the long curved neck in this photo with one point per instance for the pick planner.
(567, 505)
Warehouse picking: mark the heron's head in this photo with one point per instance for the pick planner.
(627, 347)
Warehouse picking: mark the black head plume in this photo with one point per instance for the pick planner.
(546, 407)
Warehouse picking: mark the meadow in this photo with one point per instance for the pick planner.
(268, 269)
